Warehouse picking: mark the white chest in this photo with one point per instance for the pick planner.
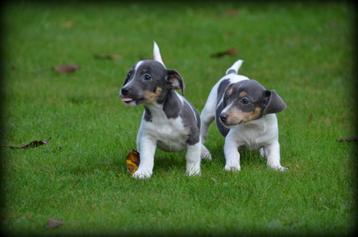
(256, 134)
(170, 134)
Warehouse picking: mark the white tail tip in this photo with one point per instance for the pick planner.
(156, 53)
(235, 67)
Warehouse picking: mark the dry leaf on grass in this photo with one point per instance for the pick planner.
(228, 52)
(310, 118)
(348, 139)
(67, 24)
(107, 56)
(32, 144)
(133, 159)
(66, 68)
(53, 223)
(232, 12)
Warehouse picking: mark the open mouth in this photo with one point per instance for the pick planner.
(129, 100)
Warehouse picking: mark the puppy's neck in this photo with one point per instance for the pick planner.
(170, 104)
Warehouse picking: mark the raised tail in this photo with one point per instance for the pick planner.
(235, 67)
(156, 53)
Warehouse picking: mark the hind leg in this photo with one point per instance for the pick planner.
(273, 156)
(205, 153)
(208, 114)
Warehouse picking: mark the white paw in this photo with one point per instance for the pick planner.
(142, 174)
(193, 171)
(279, 168)
(205, 153)
(232, 168)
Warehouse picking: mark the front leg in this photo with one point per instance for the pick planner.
(232, 155)
(147, 146)
(193, 159)
(272, 152)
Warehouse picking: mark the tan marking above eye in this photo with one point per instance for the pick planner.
(243, 93)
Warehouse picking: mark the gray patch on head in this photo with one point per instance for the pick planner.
(191, 120)
(254, 91)
(151, 66)
(253, 88)
(147, 115)
(223, 130)
(138, 85)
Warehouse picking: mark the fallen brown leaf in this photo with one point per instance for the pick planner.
(107, 56)
(67, 24)
(133, 160)
(228, 52)
(348, 139)
(310, 118)
(66, 68)
(53, 223)
(231, 12)
(32, 144)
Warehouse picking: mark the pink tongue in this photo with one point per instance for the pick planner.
(127, 99)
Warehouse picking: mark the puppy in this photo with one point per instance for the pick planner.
(169, 121)
(245, 115)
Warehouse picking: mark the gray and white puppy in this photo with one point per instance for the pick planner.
(169, 121)
(245, 114)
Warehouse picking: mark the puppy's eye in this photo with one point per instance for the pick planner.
(147, 76)
(244, 101)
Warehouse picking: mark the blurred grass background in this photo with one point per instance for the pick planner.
(304, 51)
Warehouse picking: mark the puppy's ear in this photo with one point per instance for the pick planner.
(229, 90)
(273, 103)
(175, 80)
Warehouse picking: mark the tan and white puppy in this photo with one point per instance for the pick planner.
(169, 121)
(245, 113)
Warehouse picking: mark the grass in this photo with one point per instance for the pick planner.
(304, 51)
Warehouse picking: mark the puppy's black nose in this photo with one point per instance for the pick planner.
(124, 91)
(223, 117)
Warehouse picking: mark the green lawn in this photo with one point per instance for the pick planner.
(304, 51)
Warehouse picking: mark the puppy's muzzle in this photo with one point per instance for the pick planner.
(223, 117)
(128, 97)
(124, 92)
(226, 121)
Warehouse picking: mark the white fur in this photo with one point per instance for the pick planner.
(156, 53)
(236, 66)
(259, 134)
(167, 134)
